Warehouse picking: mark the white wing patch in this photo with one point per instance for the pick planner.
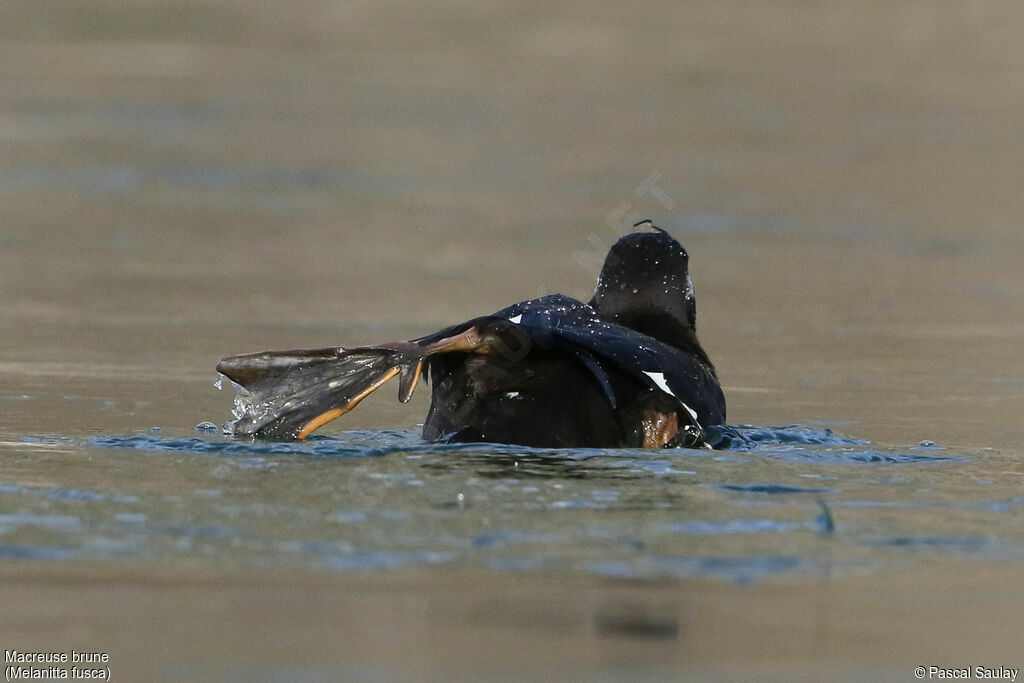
(515, 319)
(659, 379)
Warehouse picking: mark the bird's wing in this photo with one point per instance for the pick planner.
(559, 321)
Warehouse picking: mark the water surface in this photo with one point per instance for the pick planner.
(769, 503)
(184, 181)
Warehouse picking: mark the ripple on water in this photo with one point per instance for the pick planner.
(794, 442)
(750, 437)
(962, 542)
(737, 569)
(37, 552)
(800, 443)
(614, 512)
(732, 526)
(62, 522)
(771, 489)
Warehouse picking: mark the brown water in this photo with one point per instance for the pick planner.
(184, 180)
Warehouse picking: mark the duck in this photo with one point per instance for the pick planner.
(623, 370)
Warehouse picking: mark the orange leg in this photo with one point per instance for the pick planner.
(324, 418)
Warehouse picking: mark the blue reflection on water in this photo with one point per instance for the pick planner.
(769, 501)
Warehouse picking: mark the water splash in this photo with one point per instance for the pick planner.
(750, 437)
(799, 443)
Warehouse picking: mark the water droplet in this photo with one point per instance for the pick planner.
(927, 443)
(155, 430)
(206, 426)
(219, 383)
